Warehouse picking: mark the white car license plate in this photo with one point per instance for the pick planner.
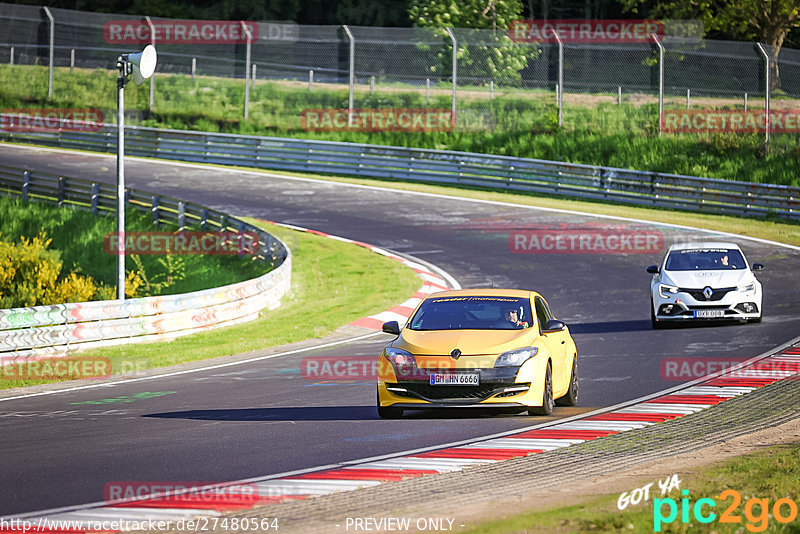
(709, 314)
(455, 379)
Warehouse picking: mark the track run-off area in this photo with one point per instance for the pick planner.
(263, 417)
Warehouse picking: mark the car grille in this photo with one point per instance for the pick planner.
(428, 392)
(718, 294)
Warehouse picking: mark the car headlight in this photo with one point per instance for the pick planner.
(747, 288)
(516, 357)
(398, 356)
(664, 288)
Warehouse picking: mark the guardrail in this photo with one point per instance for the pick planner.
(62, 328)
(438, 166)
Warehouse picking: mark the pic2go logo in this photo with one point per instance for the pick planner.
(756, 511)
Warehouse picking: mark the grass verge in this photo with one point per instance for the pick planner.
(523, 123)
(333, 283)
(766, 476)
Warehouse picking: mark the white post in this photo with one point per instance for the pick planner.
(372, 84)
(310, 80)
(427, 88)
(453, 109)
(152, 78)
(122, 64)
(660, 82)
(619, 95)
(72, 60)
(688, 97)
(52, 39)
(491, 89)
(351, 80)
(766, 95)
(745, 101)
(194, 67)
(247, 71)
(253, 77)
(560, 86)
(11, 61)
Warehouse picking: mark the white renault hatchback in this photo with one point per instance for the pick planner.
(704, 281)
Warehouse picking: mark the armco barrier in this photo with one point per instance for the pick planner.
(43, 331)
(438, 166)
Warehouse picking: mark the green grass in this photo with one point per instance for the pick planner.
(522, 123)
(77, 240)
(770, 474)
(333, 283)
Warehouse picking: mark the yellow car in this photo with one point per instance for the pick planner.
(484, 348)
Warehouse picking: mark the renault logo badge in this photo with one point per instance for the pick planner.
(455, 354)
(708, 292)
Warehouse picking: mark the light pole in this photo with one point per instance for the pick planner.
(139, 66)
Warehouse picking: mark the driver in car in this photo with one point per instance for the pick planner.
(511, 315)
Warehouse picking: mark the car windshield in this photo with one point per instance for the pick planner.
(472, 313)
(705, 259)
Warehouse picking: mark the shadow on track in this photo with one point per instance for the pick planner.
(610, 326)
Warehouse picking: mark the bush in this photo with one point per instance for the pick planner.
(30, 275)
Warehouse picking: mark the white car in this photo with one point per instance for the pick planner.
(704, 281)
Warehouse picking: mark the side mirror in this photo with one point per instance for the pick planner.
(391, 327)
(553, 325)
(758, 266)
(653, 269)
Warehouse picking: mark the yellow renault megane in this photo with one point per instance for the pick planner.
(500, 348)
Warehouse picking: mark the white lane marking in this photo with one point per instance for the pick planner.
(529, 444)
(684, 409)
(720, 391)
(618, 426)
(436, 464)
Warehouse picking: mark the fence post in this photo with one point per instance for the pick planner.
(181, 216)
(453, 107)
(660, 82)
(560, 86)
(61, 190)
(310, 80)
(153, 77)
(52, 42)
(372, 84)
(619, 95)
(247, 70)
(71, 60)
(253, 77)
(95, 197)
(351, 80)
(745, 101)
(11, 59)
(154, 209)
(194, 67)
(491, 89)
(26, 185)
(688, 97)
(766, 95)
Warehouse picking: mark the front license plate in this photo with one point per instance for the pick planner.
(455, 380)
(709, 314)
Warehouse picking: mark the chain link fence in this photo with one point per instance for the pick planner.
(498, 83)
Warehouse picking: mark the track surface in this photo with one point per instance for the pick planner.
(264, 418)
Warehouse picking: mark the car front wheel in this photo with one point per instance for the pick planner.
(571, 397)
(547, 401)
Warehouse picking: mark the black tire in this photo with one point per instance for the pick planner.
(571, 397)
(388, 412)
(547, 402)
(756, 320)
(656, 325)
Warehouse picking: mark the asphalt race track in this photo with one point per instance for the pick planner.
(263, 417)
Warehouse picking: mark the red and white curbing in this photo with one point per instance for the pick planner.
(432, 283)
(671, 404)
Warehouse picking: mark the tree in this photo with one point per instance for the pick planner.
(488, 55)
(767, 21)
